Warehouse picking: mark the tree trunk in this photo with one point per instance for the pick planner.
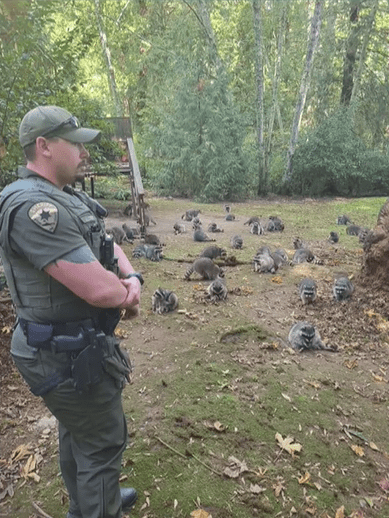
(276, 78)
(262, 173)
(312, 45)
(350, 55)
(108, 62)
(210, 35)
(362, 58)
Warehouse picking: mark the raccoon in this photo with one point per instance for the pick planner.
(342, 289)
(131, 233)
(205, 267)
(298, 243)
(213, 252)
(148, 220)
(256, 228)
(264, 263)
(363, 235)
(179, 228)
(200, 235)
(353, 230)
(333, 237)
(308, 291)
(303, 336)
(230, 217)
(281, 252)
(190, 214)
(164, 301)
(213, 227)
(196, 223)
(152, 252)
(303, 255)
(253, 219)
(264, 250)
(152, 239)
(275, 224)
(343, 220)
(128, 210)
(278, 260)
(217, 290)
(236, 242)
(118, 235)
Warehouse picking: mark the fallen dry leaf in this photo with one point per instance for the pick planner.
(376, 377)
(235, 468)
(287, 444)
(305, 478)
(340, 512)
(256, 489)
(200, 513)
(276, 279)
(351, 364)
(358, 450)
(20, 452)
(384, 484)
(278, 488)
(219, 427)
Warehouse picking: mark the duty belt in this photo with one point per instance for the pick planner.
(58, 337)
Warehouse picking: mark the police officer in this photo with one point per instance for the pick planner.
(67, 297)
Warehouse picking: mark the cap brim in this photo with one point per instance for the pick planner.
(81, 135)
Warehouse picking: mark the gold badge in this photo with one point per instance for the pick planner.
(45, 215)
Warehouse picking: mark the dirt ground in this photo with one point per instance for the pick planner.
(357, 327)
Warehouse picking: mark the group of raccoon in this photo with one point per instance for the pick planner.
(351, 230)
(302, 335)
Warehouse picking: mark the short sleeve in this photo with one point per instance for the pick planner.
(43, 232)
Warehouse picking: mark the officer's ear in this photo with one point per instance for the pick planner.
(42, 147)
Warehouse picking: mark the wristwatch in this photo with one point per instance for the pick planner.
(137, 275)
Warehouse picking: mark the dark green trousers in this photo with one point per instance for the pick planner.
(92, 435)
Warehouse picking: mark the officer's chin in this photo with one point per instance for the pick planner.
(80, 173)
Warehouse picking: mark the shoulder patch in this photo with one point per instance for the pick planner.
(45, 215)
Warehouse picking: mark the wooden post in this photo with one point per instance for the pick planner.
(137, 191)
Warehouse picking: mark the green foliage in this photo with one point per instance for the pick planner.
(334, 161)
(36, 72)
(201, 142)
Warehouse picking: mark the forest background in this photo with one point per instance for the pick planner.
(227, 99)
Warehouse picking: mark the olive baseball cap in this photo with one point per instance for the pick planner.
(53, 121)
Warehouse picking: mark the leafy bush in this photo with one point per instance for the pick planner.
(200, 143)
(334, 161)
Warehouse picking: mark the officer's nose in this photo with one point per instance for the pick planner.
(84, 153)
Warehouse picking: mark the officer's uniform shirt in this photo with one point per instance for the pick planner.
(43, 231)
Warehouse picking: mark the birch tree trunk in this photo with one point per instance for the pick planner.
(362, 58)
(305, 81)
(108, 61)
(262, 173)
(275, 109)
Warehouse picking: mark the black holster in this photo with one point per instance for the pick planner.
(87, 366)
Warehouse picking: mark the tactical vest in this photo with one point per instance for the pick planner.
(36, 295)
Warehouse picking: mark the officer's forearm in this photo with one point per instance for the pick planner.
(91, 282)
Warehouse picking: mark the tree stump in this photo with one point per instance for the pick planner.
(375, 267)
